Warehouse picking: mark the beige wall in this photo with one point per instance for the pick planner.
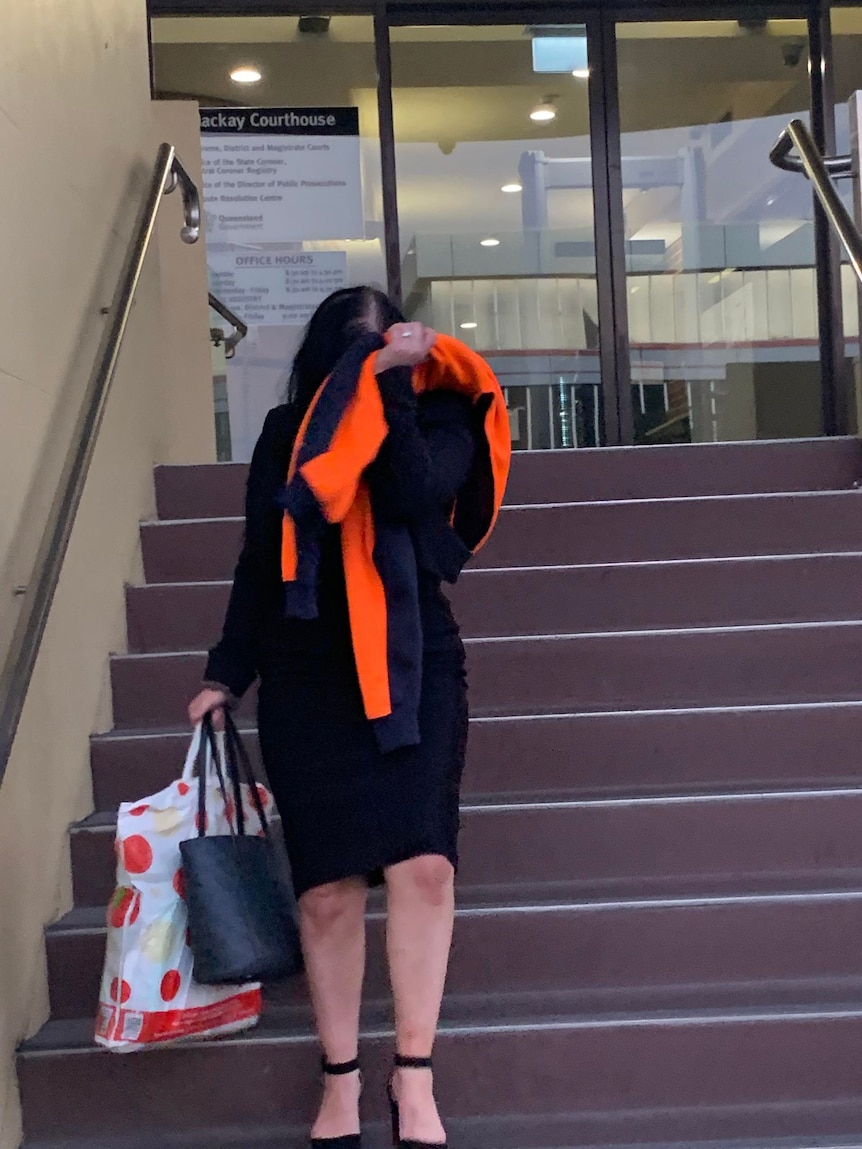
(77, 137)
(188, 427)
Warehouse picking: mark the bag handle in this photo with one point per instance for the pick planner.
(239, 767)
(189, 769)
(192, 756)
(213, 755)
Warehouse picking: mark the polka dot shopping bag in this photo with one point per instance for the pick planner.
(148, 996)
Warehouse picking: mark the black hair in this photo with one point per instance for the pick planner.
(339, 321)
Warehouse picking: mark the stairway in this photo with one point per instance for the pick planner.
(659, 939)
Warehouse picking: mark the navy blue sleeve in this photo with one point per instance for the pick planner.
(427, 455)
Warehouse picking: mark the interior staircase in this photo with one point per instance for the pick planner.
(659, 939)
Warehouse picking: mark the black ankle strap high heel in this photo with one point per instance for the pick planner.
(349, 1140)
(403, 1062)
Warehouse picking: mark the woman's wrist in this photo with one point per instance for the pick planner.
(385, 361)
(219, 688)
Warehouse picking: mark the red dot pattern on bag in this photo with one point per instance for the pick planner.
(183, 789)
(120, 993)
(124, 908)
(229, 810)
(180, 884)
(264, 795)
(198, 822)
(170, 985)
(137, 854)
(138, 811)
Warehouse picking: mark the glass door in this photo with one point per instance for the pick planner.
(719, 248)
(495, 202)
(293, 203)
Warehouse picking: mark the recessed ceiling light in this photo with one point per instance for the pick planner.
(511, 189)
(543, 113)
(581, 73)
(491, 241)
(246, 74)
(469, 326)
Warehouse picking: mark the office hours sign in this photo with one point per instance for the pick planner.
(276, 175)
(276, 288)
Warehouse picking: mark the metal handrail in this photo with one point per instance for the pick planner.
(240, 329)
(22, 651)
(820, 170)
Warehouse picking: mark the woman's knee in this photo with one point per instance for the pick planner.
(324, 906)
(430, 877)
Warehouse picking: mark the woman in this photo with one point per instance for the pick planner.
(355, 815)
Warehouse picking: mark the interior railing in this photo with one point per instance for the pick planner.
(19, 650)
(217, 335)
(821, 170)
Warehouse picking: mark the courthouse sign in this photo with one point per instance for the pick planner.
(276, 175)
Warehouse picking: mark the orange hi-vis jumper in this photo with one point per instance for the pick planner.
(339, 438)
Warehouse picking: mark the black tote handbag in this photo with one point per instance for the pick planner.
(242, 916)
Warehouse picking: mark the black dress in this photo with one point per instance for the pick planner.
(348, 809)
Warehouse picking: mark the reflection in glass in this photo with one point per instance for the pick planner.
(303, 63)
(496, 215)
(720, 244)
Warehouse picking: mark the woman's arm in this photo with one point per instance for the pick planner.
(257, 582)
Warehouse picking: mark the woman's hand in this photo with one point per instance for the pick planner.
(209, 701)
(408, 344)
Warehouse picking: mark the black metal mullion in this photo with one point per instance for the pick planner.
(827, 252)
(150, 53)
(388, 170)
(609, 226)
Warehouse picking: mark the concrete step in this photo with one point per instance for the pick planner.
(562, 674)
(486, 1133)
(609, 473)
(756, 1071)
(579, 755)
(564, 600)
(597, 844)
(553, 1132)
(567, 534)
(622, 952)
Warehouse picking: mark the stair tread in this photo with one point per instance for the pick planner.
(597, 504)
(559, 897)
(505, 1132)
(246, 725)
(573, 636)
(558, 1010)
(784, 558)
(106, 820)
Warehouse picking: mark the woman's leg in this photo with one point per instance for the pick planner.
(332, 923)
(421, 909)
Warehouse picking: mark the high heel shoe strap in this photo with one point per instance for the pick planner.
(339, 1068)
(404, 1062)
